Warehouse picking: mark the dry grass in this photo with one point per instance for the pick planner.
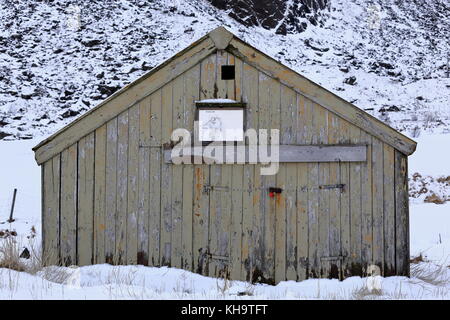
(10, 250)
(9, 255)
(437, 276)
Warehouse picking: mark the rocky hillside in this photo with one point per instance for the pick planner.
(281, 16)
(60, 58)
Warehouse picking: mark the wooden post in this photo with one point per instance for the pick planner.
(12, 206)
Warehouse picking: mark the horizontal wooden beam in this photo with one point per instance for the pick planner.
(287, 153)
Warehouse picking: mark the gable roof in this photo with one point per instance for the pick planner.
(218, 39)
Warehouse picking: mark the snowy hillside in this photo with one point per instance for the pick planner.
(58, 60)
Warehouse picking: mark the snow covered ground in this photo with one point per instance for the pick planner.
(430, 236)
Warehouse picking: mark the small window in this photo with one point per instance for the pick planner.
(221, 124)
(227, 72)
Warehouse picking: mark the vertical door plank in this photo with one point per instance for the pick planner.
(50, 214)
(201, 219)
(191, 89)
(111, 191)
(177, 175)
(335, 194)
(234, 92)
(321, 126)
(303, 137)
(69, 205)
(389, 209)
(377, 203)
(166, 178)
(86, 152)
(401, 214)
(355, 209)
(236, 222)
(143, 183)
(155, 179)
(100, 195)
(344, 137)
(313, 196)
(251, 228)
(133, 190)
(289, 135)
(366, 204)
(280, 225)
(122, 187)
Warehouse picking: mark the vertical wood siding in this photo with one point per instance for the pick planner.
(111, 198)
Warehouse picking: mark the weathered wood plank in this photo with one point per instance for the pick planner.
(166, 178)
(215, 216)
(236, 222)
(155, 179)
(125, 98)
(288, 154)
(366, 205)
(355, 209)
(377, 203)
(323, 153)
(334, 202)
(111, 191)
(251, 229)
(143, 183)
(269, 118)
(389, 209)
(280, 225)
(344, 168)
(320, 124)
(202, 178)
(51, 209)
(221, 85)
(401, 214)
(289, 112)
(302, 137)
(234, 91)
(201, 219)
(69, 205)
(208, 78)
(302, 222)
(224, 216)
(85, 216)
(122, 188)
(133, 187)
(320, 95)
(238, 80)
(313, 220)
(191, 93)
(100, 195)
(177, 175)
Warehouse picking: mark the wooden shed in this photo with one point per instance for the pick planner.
(109, 195)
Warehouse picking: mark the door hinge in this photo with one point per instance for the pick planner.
(216, 257)
(208, 188)
(332, 186)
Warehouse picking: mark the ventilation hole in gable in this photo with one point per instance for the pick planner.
(227, 72)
